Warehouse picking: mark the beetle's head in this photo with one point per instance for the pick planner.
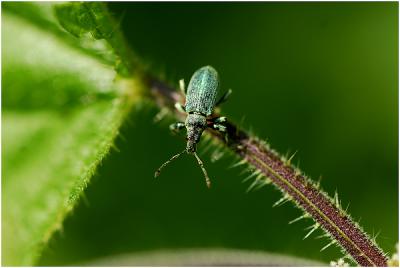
(195, 125)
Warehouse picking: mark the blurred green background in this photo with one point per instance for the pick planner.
(319, 78)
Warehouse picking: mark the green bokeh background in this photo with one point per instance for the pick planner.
(319, 78)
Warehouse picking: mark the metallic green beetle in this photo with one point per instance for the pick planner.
(200, 102)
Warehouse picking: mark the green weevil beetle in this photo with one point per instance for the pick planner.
(201, 97)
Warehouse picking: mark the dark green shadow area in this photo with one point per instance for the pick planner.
(317, 78)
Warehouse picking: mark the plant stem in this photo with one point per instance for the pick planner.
(295, 186)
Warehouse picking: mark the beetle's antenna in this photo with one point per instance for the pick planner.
(203, 169)
(157, 173)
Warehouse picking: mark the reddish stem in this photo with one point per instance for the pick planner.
(297, 187)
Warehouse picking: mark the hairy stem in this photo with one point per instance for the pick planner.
(295, 186)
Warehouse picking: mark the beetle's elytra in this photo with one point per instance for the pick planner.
(202, 91)
(201, 97)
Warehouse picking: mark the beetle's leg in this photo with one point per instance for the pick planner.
(175, 127)
(224, 97)
(180, 107)
(218, 123)
(219, 120)
(182, 86)
(219, 127)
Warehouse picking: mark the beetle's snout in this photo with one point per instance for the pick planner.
(190, 147)
(193, 137)
(195, 125)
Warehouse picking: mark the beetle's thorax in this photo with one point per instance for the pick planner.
(195, 125)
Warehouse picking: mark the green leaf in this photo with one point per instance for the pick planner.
(62, 108)
(92, 20)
